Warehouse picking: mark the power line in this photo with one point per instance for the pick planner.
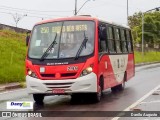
(27, 15)
(31, 13)
(33, 10)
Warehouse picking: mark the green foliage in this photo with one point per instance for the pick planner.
(151, 27)
(12, 56)
(148, 57)
(135, 20)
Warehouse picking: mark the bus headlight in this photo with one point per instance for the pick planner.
(32, 74)
(86, 71)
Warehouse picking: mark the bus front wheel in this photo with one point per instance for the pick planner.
(97, 96)
(75, 97)
(38, 98)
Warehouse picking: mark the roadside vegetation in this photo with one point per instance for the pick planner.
(151, 56)
(12, 56)
(151, 36)
(151, 28)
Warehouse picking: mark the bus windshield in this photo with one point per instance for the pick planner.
(67, 37)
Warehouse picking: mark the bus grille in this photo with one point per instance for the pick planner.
(58, 85)
(62, 75)
(68, 74)
(48, 75)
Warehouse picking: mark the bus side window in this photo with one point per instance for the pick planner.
(102, 39)
(117, 40)
(129, 43)
(124, 41)
(110, 39)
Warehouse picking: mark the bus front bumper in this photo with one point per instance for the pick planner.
(83, 84)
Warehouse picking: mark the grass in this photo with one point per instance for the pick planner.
(12, 56)
(151, 56)
(13, 52)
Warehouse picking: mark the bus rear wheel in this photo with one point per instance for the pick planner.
(38, 98)
(121, 86)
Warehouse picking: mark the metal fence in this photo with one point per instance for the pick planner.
(147, 47)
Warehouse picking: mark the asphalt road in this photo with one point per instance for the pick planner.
(146, 78)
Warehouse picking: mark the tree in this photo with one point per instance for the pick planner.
(151, 27)
(17, 18)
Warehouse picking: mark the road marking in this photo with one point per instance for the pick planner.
(12, 91)
(138, 101)
(158, 101)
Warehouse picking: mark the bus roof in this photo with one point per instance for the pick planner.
(67, 18)
(81, 17)
(115, 24)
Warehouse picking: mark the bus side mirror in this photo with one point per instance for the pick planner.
(27, 40)
(102, 33)
(28, 37)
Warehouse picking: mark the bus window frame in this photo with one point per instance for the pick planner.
(101, 24)
(117, 40)
(113, 26)
(111, 39)
(125, 40)
(129, 41)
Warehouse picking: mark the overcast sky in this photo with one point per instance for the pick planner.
(109, 10)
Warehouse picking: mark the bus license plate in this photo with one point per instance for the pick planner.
(58, 91)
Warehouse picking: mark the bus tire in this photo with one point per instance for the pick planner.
(75, 97)
(97, 96)
(38, 98)
(114, 89)
(122, 86)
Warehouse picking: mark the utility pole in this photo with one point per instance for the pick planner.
(142, 34)
(75, 12)
(127, 13)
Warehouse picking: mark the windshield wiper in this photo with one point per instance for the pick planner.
(45, 54)
(81, 47)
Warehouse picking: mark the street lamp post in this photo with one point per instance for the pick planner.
(76, 11)
(143, 13)
(142, 34)
(127, 13)
(75, 7)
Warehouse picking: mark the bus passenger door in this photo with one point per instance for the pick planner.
(103, 56)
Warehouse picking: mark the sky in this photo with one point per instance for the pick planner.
(33, 11)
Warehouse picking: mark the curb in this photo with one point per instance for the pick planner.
(2, 89)
(13, 86)
(148, 63)
(10, 86)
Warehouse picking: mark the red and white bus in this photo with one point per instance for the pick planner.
(78, 55)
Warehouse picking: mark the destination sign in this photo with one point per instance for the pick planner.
(69, 28)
